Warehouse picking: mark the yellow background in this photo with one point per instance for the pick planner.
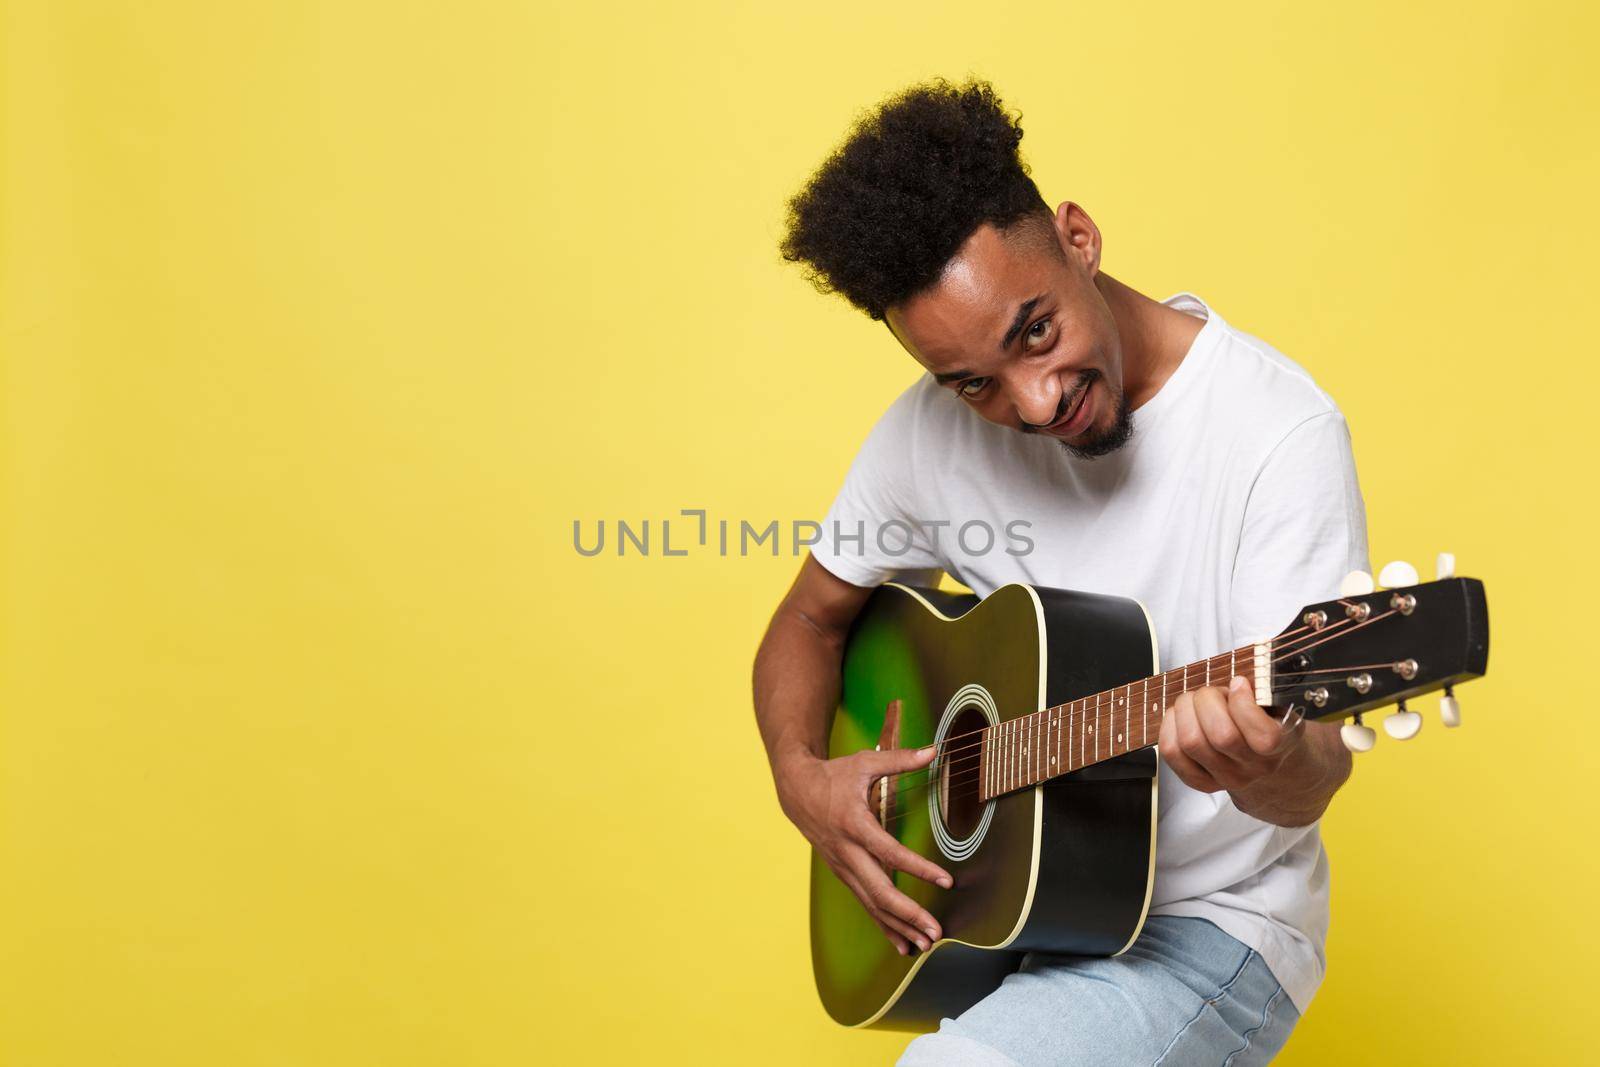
(323, 322)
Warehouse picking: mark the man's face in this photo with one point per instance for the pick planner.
(1016, 327)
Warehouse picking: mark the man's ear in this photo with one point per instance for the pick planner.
(1078, 236)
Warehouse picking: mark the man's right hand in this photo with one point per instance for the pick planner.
(828, 800)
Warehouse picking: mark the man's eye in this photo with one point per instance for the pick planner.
(1037, 334)
(972, 386)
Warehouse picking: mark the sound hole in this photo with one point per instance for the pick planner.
(959, 804)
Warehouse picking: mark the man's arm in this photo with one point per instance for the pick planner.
(797, 677)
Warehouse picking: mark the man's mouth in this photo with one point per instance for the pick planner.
(1066, 426)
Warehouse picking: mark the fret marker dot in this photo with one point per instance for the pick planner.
(1119, 737)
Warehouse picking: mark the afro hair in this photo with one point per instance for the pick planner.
(885, 213)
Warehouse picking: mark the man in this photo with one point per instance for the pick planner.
(1154, 451)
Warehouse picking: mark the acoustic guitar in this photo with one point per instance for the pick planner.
(1046, 705)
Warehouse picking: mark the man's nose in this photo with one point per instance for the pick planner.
(1037, 399)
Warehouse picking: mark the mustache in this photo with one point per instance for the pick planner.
(1085, 379)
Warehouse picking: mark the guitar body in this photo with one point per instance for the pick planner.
(1065, 866)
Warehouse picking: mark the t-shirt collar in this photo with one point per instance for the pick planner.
(1188, 368)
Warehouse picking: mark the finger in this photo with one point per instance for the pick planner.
(886, 897)
(1260, 731)
(901, 945)
(1188, 738)
(1192, 739)
(895, 760)
(900, 928)
(883, 845)
(1188, 771)
(901, 936)
(1214, 715)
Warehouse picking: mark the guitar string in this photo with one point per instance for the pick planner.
(903, 806)
(948, 746)
(1028, 733)
(966, 753)
(1025, 734)
(1024, 758)
(967, 783)
(1109, 694)
(1023, 763)
(1289, 636)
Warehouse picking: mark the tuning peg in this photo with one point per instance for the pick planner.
(1449, 710)
(1402, 725)
(1357, 737)
(1356, 583)
(1397, 574)
(1445, 566)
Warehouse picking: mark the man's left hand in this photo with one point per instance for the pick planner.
(1215, 738)
(1218, 738)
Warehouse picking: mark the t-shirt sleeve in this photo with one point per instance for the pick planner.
(871, 534)
(1305, 528)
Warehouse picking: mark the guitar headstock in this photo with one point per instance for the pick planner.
(1373, 647)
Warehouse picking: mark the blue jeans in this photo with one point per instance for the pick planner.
(1185, 993)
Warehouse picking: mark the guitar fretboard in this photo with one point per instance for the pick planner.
(1030, 749)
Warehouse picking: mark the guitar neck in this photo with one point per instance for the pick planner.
(1034, 748)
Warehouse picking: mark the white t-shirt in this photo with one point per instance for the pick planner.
(1234, 504)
